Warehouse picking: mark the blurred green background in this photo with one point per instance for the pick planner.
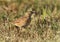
(44, 27)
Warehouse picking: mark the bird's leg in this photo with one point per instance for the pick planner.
(18, 29)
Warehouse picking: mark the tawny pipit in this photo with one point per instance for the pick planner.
(24, 20)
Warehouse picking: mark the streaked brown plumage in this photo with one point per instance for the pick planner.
(24, 20)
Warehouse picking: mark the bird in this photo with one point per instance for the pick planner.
(24, 20)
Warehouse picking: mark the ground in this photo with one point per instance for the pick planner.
(44, 26)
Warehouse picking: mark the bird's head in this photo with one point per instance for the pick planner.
(32, 11)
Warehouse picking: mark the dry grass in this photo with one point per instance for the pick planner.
(44, 26)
